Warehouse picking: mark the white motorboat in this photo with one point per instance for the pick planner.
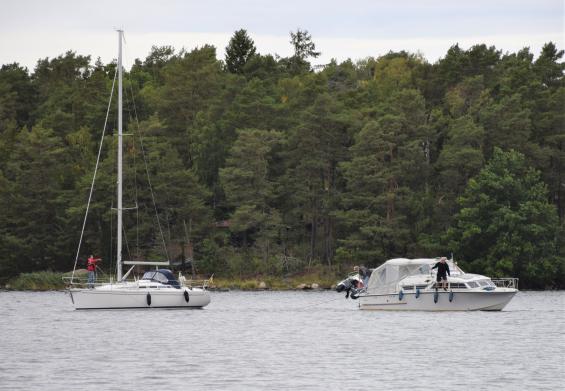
(157, 288)
(410, 285)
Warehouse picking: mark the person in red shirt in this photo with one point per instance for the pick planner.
(91, 267)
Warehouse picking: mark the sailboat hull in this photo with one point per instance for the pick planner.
(111, 297)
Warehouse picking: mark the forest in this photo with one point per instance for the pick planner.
(267, 165)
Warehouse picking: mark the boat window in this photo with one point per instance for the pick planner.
(456, 285)
(148, 275)
(421, 286)
(472, 284)
(424, 269)
(482, 283)
(161, 278)
(408, 287)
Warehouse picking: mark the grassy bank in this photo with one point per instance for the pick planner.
(318, 279)
(37, 281)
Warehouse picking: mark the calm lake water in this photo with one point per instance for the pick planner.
(280, 341)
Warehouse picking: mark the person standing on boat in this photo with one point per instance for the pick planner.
(442, 272)
(91, 267)
(364, 274)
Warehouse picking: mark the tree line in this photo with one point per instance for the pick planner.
(261, 164)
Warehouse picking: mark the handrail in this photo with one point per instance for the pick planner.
(70, 279)
(197, 283)
(82, 282)
(506, 282)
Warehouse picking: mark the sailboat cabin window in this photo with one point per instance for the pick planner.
(149, 275)
(161, 278)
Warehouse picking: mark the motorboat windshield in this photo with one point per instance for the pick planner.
(164, 276)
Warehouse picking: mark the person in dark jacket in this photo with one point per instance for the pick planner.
(442, 272)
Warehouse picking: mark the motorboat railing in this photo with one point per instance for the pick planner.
(507, 282)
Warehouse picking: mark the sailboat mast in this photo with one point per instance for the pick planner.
(119, 184)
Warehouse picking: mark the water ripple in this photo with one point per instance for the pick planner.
(279, 341)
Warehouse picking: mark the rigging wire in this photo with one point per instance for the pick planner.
(147, 172)
(135, 182)
(126, 241)
(136, 202)
(94, 175)
(111, 233)
(151, 189)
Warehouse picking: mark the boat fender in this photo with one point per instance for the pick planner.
(186, 297)
(436, 296)
(148, 299)
(417, 292)
(451, 296)
(400, 295)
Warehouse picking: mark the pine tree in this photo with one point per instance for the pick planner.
(505, 225)
(315, 148)
(304, 48)
(32, 226)
(247, 185)
(239, 51)
(386, 182)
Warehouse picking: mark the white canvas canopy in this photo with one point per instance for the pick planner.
(385, 278)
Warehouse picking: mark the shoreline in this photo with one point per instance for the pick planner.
(314, 281)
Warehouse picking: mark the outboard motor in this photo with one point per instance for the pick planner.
(344, 285)
(352, 285)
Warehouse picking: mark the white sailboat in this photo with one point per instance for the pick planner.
(157, 288)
